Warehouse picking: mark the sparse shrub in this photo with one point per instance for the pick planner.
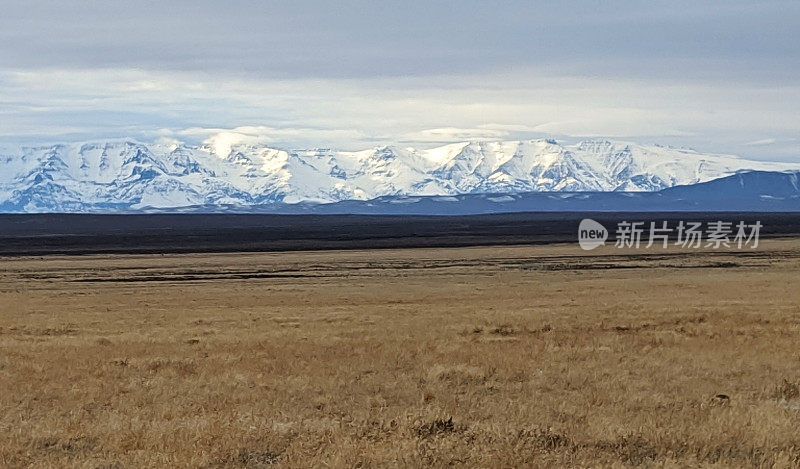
(436, 427)
(504, 330)
(543, 439)
(250, 458)
(787, 390)
(720, 400)
(635, 450)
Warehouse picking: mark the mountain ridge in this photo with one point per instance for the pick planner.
(130, 175)
(751, 191)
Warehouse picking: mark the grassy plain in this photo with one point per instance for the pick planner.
(492, 356)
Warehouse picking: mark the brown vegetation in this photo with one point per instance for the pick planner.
(505, 356)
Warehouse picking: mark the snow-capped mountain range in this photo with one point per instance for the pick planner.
(128, 175)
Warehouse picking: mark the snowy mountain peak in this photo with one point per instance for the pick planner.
(233, 169)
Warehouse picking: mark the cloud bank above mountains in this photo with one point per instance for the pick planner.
(716, 76)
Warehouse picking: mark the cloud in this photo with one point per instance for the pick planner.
(221, 140)
(772, 141)
(723, 40)
(452, 134)
(762, 142)
(611, 128)
(715, 75)
(354, 114)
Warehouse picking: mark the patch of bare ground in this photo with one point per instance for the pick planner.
(489, 357)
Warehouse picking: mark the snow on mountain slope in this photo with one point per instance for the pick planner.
(131, 175)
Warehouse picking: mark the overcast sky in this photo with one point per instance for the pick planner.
(719, 76)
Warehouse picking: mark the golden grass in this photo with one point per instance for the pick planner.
(504, 356)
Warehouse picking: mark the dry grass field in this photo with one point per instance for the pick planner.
(493, 356)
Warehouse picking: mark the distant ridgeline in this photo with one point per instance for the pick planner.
(470, 177)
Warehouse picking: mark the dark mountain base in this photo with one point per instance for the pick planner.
(143, 234)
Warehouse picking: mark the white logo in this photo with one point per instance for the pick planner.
(591, 234)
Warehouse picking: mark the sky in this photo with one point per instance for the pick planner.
(717, 76)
